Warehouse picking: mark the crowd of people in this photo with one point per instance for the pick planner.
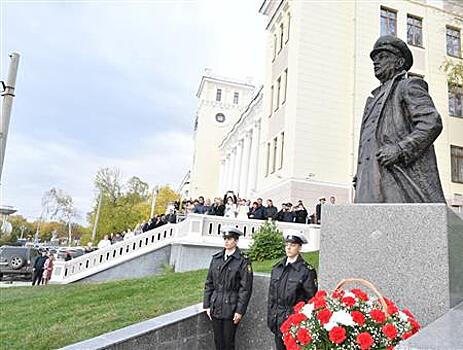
(154, 222)
(233, 207)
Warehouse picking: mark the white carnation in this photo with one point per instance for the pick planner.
(307, 310)
(349, 294)
(342, 317)
(403, 316)
(330, 325)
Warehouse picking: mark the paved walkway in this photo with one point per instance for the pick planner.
(9, 284)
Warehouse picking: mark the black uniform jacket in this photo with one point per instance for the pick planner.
(228, 285)
(289, 285)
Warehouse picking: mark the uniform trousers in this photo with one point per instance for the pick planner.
(280, 345)
(37, 276)
(224, 334)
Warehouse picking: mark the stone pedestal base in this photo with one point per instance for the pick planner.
(412, 252)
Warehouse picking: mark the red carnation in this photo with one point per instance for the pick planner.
(390, 331)
(324, 316)
(378, 316)
(360, 294)
(408, 313)
(286, 325)
(415, 325)
(358, 317)
(365, 340)
(320, 294)
(349, 301)
(299, 306)
(337, 335)
(391, 307)
(407, 335)
(298, 318)
(290, 342)
(318, 303)
(338, 293)
(303, 336)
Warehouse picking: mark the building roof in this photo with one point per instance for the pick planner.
(227, 81)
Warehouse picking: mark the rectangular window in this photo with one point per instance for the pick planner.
(286, 85)
(414, 31)
(282, 148)
(388, 22)
(271, 100)
(218, 96)
(236, 97)
(455, 101)
(277, 96)
(288, 25)
(267, 169)
(274, 154)
(453, 42)
(281, 36)
(456, 156)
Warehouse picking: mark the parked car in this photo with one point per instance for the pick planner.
(73, 251)
(17, 261)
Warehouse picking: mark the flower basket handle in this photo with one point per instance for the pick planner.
(367, 284)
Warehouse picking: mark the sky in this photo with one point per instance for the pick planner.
(112, 84)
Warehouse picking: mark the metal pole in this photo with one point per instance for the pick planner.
(7, 105)
(97, 218)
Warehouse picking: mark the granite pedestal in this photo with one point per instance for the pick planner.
(412, 252)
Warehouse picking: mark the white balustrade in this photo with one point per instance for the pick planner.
(195, 229)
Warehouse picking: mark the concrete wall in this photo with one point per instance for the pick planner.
(190, 329)
(145, 265)
(186, 257)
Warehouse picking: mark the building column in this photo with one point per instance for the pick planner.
(245, 166)
(231, 170)
(253, 166)
(237, 170)
(221, 175)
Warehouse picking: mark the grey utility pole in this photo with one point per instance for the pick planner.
(7, 104)
(97, 218)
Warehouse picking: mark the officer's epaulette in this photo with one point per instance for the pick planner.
(216, 254)
(309, 266)
(279, 262)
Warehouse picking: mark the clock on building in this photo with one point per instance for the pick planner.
(220, 117)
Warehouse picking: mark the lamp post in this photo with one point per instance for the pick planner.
(7, 104)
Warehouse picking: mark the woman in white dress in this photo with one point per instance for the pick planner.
(231, 209)
(243, 210)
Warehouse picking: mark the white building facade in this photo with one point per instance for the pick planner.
(318, 77)
(221, 102)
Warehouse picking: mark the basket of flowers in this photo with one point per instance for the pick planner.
(348, 319)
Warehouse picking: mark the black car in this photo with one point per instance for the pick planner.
(17, 261)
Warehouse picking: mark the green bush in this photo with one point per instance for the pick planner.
(267, 243)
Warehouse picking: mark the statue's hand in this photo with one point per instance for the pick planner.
(388, 155)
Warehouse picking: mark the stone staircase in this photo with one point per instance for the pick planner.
(195, 231)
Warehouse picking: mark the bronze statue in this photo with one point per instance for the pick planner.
(396, 158)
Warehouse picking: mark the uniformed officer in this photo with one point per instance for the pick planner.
(293, 280)
(227, 289)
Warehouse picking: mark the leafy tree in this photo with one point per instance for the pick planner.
(164, 196)
(454, 72)
(108, 181)
(137, 188)
(267, 243)
(58, 205)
